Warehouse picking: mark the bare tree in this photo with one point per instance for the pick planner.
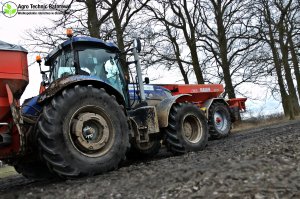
(292, 32)
(283, 41)
(107, 19)
(225, 36)
(181, 15)
(272, 31)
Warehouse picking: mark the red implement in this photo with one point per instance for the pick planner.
(200, 93)
(13, 72)
(13, 81)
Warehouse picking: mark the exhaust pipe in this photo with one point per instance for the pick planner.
(5, 137)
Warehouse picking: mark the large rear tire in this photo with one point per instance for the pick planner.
(33, 169)
(31, 166)
(219, 121)
(187, 129)
(84, 132)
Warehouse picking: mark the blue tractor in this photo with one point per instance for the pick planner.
(87, 117)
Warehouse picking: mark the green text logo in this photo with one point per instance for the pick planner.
(9, 9)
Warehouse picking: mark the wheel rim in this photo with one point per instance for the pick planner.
(91, 131)
(192, 128)
(220, 121)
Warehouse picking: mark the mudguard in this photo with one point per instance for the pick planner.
(164, 107)
(144, 121)
(62, 83)
(209, 102)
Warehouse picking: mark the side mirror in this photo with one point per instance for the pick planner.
(147, 80)
(137, 44)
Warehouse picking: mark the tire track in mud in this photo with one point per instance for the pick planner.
(257, 163)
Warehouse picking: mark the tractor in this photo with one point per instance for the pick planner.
(87, 117)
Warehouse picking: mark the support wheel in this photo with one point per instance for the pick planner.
(187, 129)
(219, 121)
(145, 150)
(84, 132)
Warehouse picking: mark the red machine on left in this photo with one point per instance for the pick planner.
(13, 81)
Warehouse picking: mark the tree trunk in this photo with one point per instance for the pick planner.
(93, 22)
(177, 54)
(288, 75)
(229, 89)
(283, 93)
(120, 41)
(191, 42)
(292, 113)
(295, 61)
(183, 72)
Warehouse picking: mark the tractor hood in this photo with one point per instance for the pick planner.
(68, 81)
(82, 41)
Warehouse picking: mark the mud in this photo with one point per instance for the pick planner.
(261, 163)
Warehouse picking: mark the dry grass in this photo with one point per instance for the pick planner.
(260, 122)
(7, 171)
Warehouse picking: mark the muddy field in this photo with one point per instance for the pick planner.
(261, 163)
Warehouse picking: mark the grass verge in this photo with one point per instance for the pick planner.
(258, 122)
(7, 171)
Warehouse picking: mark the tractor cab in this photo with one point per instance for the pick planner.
(86, 56)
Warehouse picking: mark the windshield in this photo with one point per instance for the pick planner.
(102, 64)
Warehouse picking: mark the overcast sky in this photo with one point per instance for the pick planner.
(12, 31)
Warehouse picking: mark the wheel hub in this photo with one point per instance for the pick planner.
(220, 120)
(188, 130)
(88, 133)
(192, 129)
(91, 130)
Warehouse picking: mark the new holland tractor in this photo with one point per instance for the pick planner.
(87, 117)
(83, 122)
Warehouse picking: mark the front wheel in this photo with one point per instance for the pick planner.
(84, 131)
(145, 150)
(187, 129)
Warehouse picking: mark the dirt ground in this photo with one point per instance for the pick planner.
(259, 163)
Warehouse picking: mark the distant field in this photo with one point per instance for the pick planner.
(7, 171)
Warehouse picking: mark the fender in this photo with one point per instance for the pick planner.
(205, 107)
(164, 107)
(62, 83)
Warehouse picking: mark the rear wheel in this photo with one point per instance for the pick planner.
(32, 166)
(219, 121)
(33, 169)
(187, 129)
(84, 131)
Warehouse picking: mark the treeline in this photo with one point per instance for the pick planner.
(223, 41)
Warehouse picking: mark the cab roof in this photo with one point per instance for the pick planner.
(95, 42)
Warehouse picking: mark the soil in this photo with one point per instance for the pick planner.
(258, 163)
